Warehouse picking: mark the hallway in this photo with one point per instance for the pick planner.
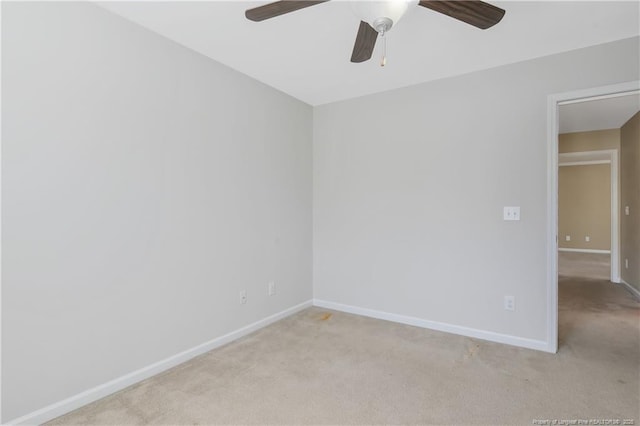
(597, 318)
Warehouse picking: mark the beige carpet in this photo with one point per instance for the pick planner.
(585, 265)
(322, 367)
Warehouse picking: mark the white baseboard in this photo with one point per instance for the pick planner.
(577, 250)
(539, 345)
(65, 406)
(634, 291)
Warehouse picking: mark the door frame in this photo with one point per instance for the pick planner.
(553, 103)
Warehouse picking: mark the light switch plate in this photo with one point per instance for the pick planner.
(512, 213)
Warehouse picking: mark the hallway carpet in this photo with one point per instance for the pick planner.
(584, 265)
(325, 367)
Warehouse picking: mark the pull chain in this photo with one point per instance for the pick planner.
(383, 61)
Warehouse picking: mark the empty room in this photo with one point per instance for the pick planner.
(320, 212)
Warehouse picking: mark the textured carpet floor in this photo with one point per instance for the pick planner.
(584, 265)
(323, 367)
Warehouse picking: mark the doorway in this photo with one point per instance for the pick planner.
(588, 229)
(555, 102)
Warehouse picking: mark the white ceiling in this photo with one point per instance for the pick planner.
(306, 53)
(600, 114)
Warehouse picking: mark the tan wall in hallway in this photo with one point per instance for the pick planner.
(589, 141)
(584, 200)
(630, 196)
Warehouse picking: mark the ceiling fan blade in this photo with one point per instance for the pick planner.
(365, 42)
(278, 8)
(477, 13)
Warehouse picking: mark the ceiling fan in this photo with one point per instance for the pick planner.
(379, 16)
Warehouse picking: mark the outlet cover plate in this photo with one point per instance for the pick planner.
(509, 303)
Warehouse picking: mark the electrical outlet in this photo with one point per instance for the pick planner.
(509, 303)
(587, 238)
(272, 288)
(567, 237)
(626, 264)
(626, 210)
(243, 297)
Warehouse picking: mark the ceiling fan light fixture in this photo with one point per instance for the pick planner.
(382, 15)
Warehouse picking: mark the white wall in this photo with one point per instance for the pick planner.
(409, 188)
(144, 185)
